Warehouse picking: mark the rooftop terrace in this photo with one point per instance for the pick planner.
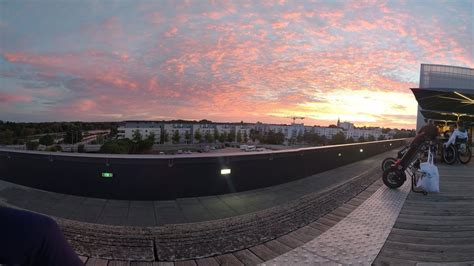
(344, 215)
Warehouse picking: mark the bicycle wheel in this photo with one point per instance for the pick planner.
(449, 154)
(388, 162)
(464, 155)
(393, 178)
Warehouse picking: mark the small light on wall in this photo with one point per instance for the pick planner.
(390, 144)
(339, 155)
(225, 171)
(361, 150)
(107, 175)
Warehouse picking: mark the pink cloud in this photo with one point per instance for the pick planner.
(279, 25)
(14, 98)
(171, 32)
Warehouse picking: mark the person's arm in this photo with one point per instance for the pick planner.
(452, 139)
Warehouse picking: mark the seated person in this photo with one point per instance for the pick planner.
(459, 133)
(27, 238)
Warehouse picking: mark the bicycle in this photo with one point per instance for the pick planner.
(395, 175)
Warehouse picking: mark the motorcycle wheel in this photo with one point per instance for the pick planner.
(388, 162)
(393, 178)
(449, 154)
(465, 156)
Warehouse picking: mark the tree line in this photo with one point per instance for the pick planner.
(21, 133)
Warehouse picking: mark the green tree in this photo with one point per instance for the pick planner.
(151, 138)
(361, 139)
(300, 137)
(273, 138)
(73, 135)
(223, 137)
(197, 136)
(99, 139)
(381, 137)
(55, 148)
(338, 138)
(187, 137)
(208, 137)
(245, 137)
(370, 138)
(6, 137)
(176, 137)
(323, 140)
(231, 136)
(46, 140)
(120, 146)
(136, 136)
(216, 134)
(32, 145)
(239, 137)
(164, 136)
(350, 140)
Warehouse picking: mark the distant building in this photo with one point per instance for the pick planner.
(346, 125)
(145, 128)
(328, 132)
(187, 130)
(184, 130)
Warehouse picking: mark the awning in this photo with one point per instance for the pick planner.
(446, 117)
(457, 102)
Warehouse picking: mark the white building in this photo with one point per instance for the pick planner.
(203, 130)
(346, 125)
(144, 127)
(243, 130)
(356, 133)
(185, 132)
(328, 132)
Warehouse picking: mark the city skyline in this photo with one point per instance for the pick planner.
(232, 61)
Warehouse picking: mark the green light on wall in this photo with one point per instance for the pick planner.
(107, 175)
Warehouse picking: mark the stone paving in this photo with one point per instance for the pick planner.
(358, 238)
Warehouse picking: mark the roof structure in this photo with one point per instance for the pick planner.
(445, 103)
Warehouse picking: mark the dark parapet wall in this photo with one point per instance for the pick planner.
(134, 177)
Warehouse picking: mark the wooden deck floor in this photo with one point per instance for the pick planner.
(437, 228)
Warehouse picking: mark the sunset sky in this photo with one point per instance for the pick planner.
(225, 60)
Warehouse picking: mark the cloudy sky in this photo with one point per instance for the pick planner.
(225, 60)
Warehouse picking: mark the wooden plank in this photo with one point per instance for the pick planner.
(327, 221)
(277, 247)
(290, 241)
(163, 263)
(228, 259)
(421, 256)
(185, 263)
(263, 252)
(119, 263)
(349, 207)
(319, 226)
(433, 234)
(430, 240)
(207, 262)
(96, 262)
(342, 212)
(383, 261)
(247, 257)
(333, 217)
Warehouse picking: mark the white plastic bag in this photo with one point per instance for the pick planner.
(429, 181)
